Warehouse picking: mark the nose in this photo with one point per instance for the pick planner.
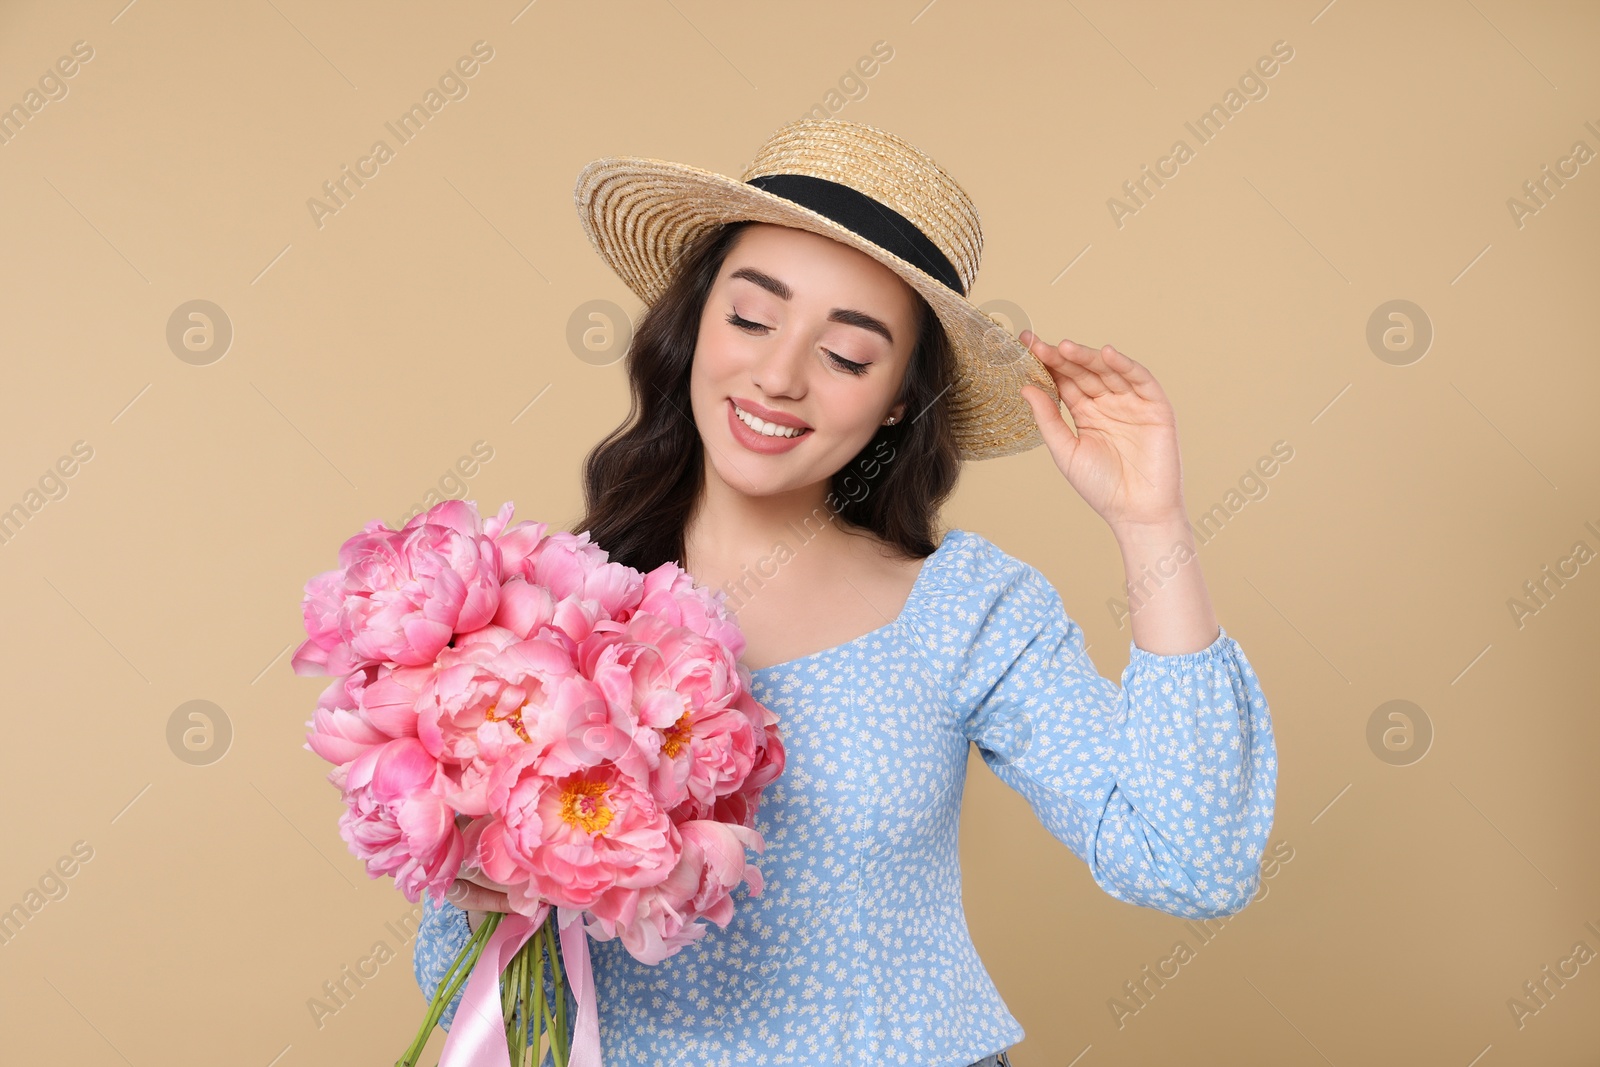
(780, 369)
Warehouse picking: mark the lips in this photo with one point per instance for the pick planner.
(759, 442)
(768, 414)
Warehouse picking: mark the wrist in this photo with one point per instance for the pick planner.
(1164, 530)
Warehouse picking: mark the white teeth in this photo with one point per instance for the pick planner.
(763, 427)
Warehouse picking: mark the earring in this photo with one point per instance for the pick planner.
(890, 421)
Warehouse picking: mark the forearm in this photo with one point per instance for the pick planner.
(1170, 608)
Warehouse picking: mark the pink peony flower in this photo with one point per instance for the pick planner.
(489, 698)
(657, 921)
(769, 763)
(582, 732)
(338, 731)
(398, 596)
(367, 707)
(705, 754)
(632, 675)
(390, 701)
(739, 807)
(568, 839)
(525, 608)
(702, 669)
(670, 594)
(572, 567)
(396, 825)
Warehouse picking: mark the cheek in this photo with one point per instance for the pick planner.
(715, 354)
(713, 374)
(848, 406)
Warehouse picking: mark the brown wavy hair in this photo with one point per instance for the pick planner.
(642, 481)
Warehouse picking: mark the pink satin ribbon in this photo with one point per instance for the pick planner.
(575, 954)
(478, 1036)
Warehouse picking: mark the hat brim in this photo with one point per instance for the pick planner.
(641, 213)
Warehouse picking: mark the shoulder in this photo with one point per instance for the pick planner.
(979, 608)
(970, 584)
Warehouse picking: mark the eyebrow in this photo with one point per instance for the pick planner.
(848, 316)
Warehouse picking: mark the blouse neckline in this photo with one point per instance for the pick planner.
(918, 589)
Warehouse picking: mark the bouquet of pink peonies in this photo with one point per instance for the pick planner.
(509, 699)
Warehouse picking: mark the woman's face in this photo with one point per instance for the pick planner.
(820, 337)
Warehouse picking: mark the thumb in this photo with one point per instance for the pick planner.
(1058, 436)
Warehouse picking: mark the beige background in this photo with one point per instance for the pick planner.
(432, 310)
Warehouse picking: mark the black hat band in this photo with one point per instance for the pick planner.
(864, 217)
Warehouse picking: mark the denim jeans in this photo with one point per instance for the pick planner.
(998, 1059)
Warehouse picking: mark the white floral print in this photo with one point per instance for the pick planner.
(857, 951)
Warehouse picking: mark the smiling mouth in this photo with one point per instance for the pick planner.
(765, 428)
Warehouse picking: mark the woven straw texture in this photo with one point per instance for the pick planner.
(640, 213)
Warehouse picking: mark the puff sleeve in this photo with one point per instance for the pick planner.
(440, 936)
(1165, 785)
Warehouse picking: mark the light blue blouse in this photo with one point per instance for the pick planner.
(857, 951)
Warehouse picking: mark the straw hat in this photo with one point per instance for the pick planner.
(856, 184)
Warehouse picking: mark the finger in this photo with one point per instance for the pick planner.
(478, 877)
(1137, 375)
(1125, 371)
(1070, 394)
(1097, 360)
(1074, 398)
(1052, 427)
(1063, 367)
(482, 881)
(469, 896)
(1112, 367)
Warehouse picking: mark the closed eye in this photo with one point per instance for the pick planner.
(848, 366)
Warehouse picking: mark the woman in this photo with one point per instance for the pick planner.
(806, 379)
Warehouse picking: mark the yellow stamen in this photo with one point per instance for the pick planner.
(676, 736)
(583, 805)
(515, 719)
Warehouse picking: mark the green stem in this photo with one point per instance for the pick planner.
(507, 997)
(536, 996)
(448, 986)
(562, 1044)
(508, 991)
(513, 987)
(535, 965)
(458, 978)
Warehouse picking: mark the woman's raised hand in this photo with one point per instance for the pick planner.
(1123, 460)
